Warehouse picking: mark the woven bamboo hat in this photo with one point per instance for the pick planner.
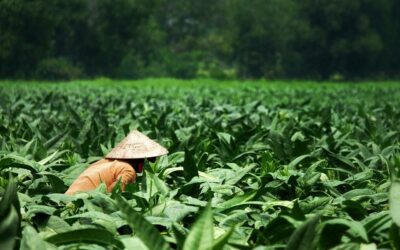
(137, 146)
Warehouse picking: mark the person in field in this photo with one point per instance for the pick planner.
(121, 163)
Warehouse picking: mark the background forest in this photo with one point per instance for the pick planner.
(287, 39)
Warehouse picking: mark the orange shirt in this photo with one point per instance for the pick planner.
(105, 170)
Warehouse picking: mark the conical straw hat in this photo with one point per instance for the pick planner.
(136, 146)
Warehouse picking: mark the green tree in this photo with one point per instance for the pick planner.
(343, 40)
(26, 31)
(265, 33)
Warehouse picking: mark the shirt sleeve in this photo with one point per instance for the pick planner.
(125, 172)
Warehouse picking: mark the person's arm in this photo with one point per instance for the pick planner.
(124, 172)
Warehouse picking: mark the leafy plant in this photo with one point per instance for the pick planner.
(250, 166)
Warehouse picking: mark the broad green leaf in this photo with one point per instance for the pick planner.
(293, 164)
(13, 160)
(347, 246)
(237, 217)
(371, 246)
(223, 240)
(377, 223)
(174, 210)
(235, 201)
(148, 234)
(160, 185)
(52, 157)
(102, 200)
(107, 221)
(86, 235)
(9, 225)
(51, 225)
(333, 230)
(9, 217)
(394, 202)
(33, 209)
(201, 234)
(358, 193)
(240, 174)
(305, 237)
(32, 241)
(133, 243)
(227, 138)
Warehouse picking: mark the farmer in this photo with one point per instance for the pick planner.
(120, 164)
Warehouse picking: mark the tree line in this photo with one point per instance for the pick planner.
(298, 39)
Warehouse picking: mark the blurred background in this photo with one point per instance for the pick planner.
(223, 39)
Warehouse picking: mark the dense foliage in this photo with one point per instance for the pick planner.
(272, 167)
(189, 38)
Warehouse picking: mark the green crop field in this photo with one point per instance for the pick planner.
(251, 165)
